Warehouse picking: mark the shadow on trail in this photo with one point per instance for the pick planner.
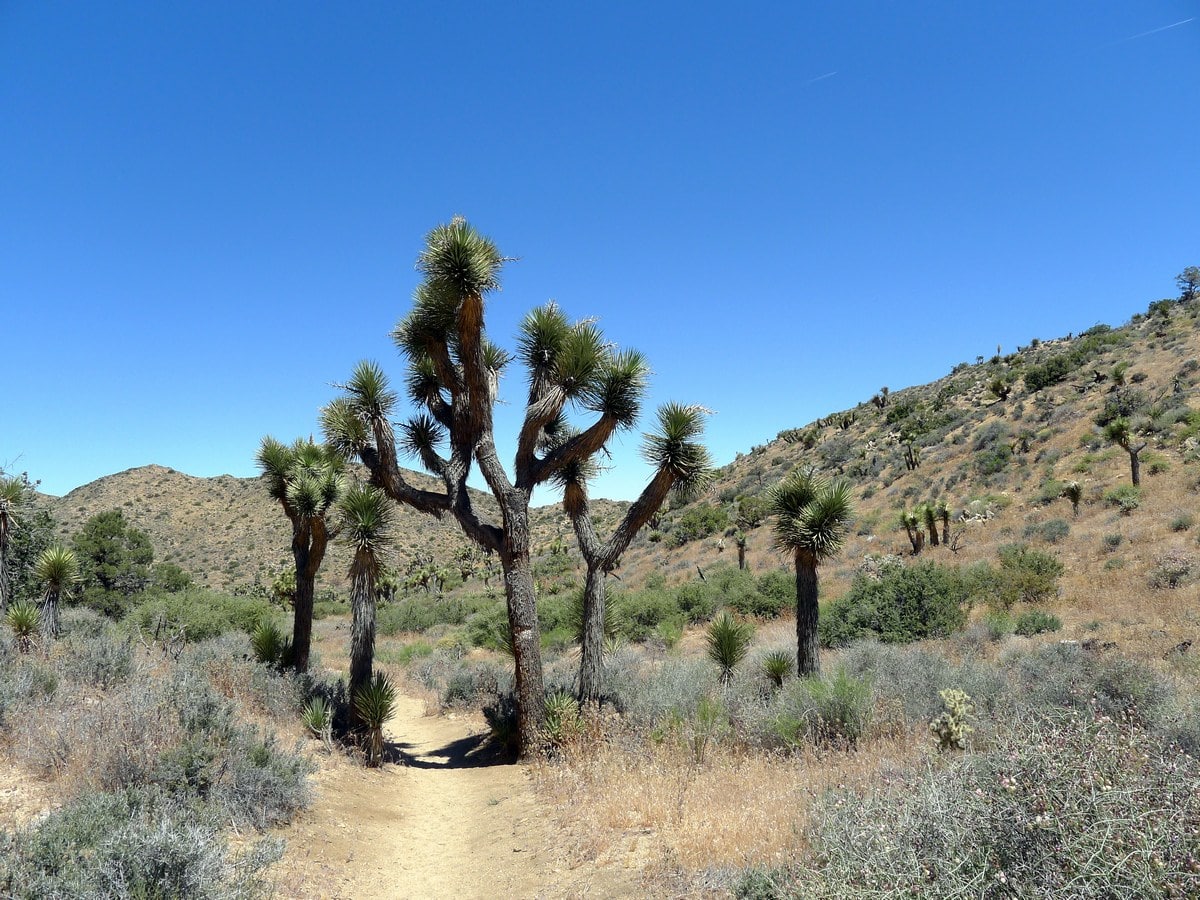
(473, 752)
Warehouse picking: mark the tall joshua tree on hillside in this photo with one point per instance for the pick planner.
(682, 466)
(453, 380)
(12, 492)
(1121, 433)
(366, 518)
(814, 514)
(307, 480)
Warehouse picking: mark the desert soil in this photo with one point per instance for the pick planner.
(443, 818)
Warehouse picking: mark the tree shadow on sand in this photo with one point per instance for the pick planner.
(473, 752)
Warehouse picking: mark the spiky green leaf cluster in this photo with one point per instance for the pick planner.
(307, 477)
(366, 516)
(728, 643)
(375, 701)
(675, 447)
(57, 568)
(458, 261)
(813, 512)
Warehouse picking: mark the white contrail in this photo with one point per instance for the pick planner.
(1156, 30)
(826, 75)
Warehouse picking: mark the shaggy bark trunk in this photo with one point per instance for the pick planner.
(592, 657)
(742, 557)
(50, 615)
(808, 659)
(523, 624)
(1135, 464)
(3, 568)
(362, 629)
(308, 550)
(946, 529)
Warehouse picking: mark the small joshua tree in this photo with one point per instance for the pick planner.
(912, 527)
(1073, 491)
(1121, 433)
(930, 518)
(374, 704)
(58, 571)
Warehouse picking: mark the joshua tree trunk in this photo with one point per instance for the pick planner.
(591, 663)
(808, 658)
(527, 649)
(50, 614)
(3, 569)
(742, 555)
(946, 527)
(1135, 464)
(308, 550)
(362, 628)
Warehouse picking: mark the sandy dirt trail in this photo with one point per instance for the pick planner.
(447, 820)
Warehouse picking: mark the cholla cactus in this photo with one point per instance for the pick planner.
(951, 728)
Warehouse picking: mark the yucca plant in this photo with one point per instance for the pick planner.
(366, 518)
(1073, 491)
(58, 570)
(728, 643)
(776, 666)
(563, 720)
(25, 620)
(375, 702)
(318, 718)
(270, 645)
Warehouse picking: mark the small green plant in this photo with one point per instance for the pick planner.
(1125, 497)
(1182, 522)
(1112, 541)
(776, 666)
(1173, 569)
(270, 645)
(25, 620)
(997, 624)
(563, 720)
(952, 728)
(1073, 491)
(318, 718)
(374, 702)
(709, 723)
(728, 643)
(827, 710)
(1035, 621)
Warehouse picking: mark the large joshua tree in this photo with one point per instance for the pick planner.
(12, 492)
(366, 518)
(681, 466)
(307, 480)
(453, 380)
(813, 516)
(58, 571)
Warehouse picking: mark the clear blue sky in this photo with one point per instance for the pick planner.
(210, 211)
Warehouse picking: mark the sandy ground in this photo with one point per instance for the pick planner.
(444, 819)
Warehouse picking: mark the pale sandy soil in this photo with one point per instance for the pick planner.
(444, 820)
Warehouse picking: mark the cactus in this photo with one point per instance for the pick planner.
(951, 728)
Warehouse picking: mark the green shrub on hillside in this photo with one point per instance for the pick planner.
(199, 613)
(906, 604)
(700, 521)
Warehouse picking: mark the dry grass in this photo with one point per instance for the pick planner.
(650, 805)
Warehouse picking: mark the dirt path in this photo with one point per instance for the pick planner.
(445, 821)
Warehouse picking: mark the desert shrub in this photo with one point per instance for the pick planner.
(907, 604)
(673, 688)
(1172, 569)
(97, 661)
(700, 521)
(131, 844)
(1026, 574)
(1125, 497)
(1112, 541)
(1036, 621)
(997, 624)
(1182, 522)
(199, 614)
(1058, 807)
(470, 684)
(415, 614)
(645, 613)
(1050, 490)
(1051, 531)
(835, 709)
(764, 597)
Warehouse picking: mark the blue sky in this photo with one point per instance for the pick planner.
(209, 212)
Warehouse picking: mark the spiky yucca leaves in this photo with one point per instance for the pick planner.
(25, 620)
(675, 448)
(57, 570)
(374, 703)
(306, 479)
(317, 717)
(929, 517)
(270, 645)
(366, 519)
(459, 262)
(728, 643)
(12, 493)
(814, 515)
(776, 666)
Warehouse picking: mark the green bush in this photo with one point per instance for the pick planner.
(906, 604)
(1026, 574)
(700, 521)
(1035, 621)
(1125, 497)
(200, 614)
(826, 710)
(1182, 522)
(1051, 531)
